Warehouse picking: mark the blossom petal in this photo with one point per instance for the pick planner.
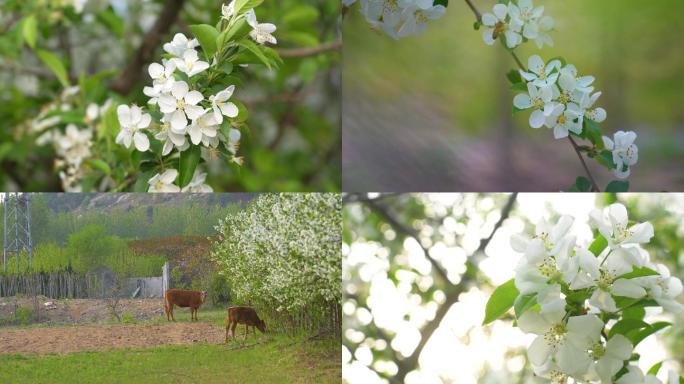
(142, 143)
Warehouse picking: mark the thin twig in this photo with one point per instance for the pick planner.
(477, 13)
(310, 51)
(594, 186)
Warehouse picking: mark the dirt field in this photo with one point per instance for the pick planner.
(63, 340)
(80, 311)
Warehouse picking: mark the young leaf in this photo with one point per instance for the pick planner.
(624, 326)
(582, 184)
(514, 77)
(445, 3)
(598, 245)
(501, 301)
(618, 186)
(523, 303)
(55, 66)
(638, 272)
(655, 369)
(242, 6)
(100, 165)
(605, 158)
(206, 35)
(637, 337)
(188, 162)
(30, 30)
(252, 47)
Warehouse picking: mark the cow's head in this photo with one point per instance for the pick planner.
(261, 325)
(203, 295)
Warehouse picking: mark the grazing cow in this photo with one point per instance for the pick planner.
(183, 298)
(243, 315)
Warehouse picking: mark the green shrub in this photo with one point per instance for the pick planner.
(24, 315)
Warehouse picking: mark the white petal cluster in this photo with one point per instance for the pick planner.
(400, 18)
(189, 117)
(559, 98)
(625, 152)
(517, 23)
(73, 144)
(283, 251)
(569, 344)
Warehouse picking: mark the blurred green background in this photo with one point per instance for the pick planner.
(432, 112)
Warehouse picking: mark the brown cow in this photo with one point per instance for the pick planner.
(243, 315)
(183, 298)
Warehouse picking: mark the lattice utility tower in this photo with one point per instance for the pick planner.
(17, 227)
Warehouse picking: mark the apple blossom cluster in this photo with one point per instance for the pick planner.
(517, 23)
(562, 100)
(576, 295)
(399, 18)
(73, 145)
(193, 112)
(283, 250)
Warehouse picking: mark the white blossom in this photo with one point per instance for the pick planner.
(180, 44)
(261, 32)
(221, 106)
(190, 64)
(197, 184)
(133, 122)
(625, 152)
(181, 102)
(164, 182)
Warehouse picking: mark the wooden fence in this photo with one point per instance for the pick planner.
(324, 319)
(55, 285)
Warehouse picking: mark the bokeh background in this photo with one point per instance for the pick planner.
(403, 322)
(433, 112)
(293, 141)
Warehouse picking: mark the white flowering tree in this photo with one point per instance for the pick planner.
(552, 90)
(283, 252)
(586, 302)
(155, 96)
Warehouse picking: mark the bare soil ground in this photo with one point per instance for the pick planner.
(63, 340)
(80, 311)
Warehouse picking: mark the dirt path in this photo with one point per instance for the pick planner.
(63, 340)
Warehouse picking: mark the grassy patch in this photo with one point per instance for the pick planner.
(278, 359)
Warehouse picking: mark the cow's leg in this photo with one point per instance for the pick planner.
(171, 311)
(166, 310)
(232, 328)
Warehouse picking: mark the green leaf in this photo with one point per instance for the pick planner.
(99, 164)
(30, 30)
(113, 22)
(582, 184)
(445, 3)
(252, 47)
(598, 245)
(593, 132)
(637, 337)
(55, 66)
(206, 35)
(638, 272)
(242, 6)
(239, 29)
(617, 186)
(605, 158)
(624, 326)
(524, 302)
(188, 162)
(514, 77)
(655, 369)
(501, 301)
(634, 313)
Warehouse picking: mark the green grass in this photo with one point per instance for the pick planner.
(280, 359)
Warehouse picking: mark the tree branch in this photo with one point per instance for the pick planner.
(128, 78)
(310, 51)
(409, 232)
(411, 363)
